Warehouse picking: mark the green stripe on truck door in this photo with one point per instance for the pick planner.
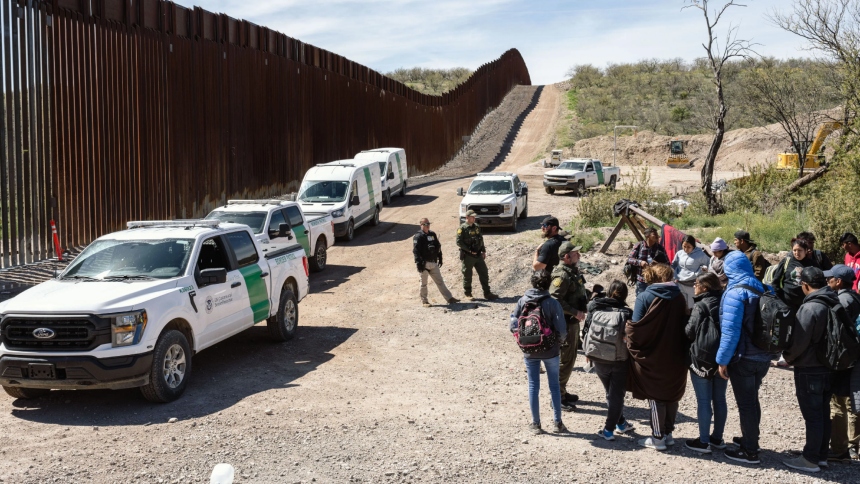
(369, 187)
(302, 238)
(257, 293)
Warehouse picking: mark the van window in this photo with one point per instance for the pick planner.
(323, 191)
(354, 192)
(382, 168)
(275, 223)
(295, 216)
(243, 248)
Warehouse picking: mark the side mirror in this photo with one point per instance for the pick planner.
(391, 176)
(284, 230)
(213, 276)
(460, 191)
(355, 201)
(525, 190)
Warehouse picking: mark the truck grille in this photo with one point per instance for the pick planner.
(555, 179)
(483, 210)
(68, 334)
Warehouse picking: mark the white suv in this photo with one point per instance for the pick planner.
(498, 199)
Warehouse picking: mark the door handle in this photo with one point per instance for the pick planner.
(307, 232)
(236, 284)
(265, 274)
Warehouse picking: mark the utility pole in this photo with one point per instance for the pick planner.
(615, 140)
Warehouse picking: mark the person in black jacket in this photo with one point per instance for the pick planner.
(786, 277)
(644, 254)
(428, 259)
(710, 389)
(821, 258)
(812, 380)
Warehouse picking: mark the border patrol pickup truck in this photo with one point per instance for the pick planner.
(267, 219)
(498, 199)
(579, 175)
(134, 307)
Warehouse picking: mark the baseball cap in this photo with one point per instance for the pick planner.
(813, 276)
(568, 247)
(471, 213)
(841, 271)
(719, 244)
(744, 235)
(550, 221)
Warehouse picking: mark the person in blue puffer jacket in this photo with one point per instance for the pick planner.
(740, 361)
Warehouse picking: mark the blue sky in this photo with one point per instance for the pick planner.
(552, 35)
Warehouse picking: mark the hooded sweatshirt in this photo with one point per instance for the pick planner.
(786, 279)
(552, 312)
(810, 327)
(688, 266)
(737, 311)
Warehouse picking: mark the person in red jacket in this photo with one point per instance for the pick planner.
(849, 244)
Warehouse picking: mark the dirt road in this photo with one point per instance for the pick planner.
(376, 388)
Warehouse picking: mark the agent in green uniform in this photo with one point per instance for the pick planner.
(568, 288)
(472, 254)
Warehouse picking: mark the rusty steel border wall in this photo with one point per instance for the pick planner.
(118, 110)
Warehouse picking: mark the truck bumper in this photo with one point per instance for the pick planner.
(491, 221)
(340, 228)
(76, 372)
(560, 185)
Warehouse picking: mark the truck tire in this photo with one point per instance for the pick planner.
(388, 197)
(350, 231)
(282, 326)
(549, 190)
(171, 368)
(317, 262)
(514, 221)
(26, 393)
(375, 220)
(580, 188)
(525, 209)
(612, 183)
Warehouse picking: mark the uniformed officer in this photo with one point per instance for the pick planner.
(428, 259)
(472, 253)
(568, 287)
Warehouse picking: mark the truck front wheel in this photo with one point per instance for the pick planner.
(171, 367)
(580, 188)
(26, 393)
(612, 183)
(319, 258)
(549, 190)
(282, 326)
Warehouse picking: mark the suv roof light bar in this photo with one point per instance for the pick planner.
(495, 173)
(256, 202)
(174, 223)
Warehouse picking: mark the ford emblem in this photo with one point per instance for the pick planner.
(484, 210)
(44, 333)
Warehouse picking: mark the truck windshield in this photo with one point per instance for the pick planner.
(131, 259)
(323, 191)
(490, 187)
(572, 165)
(255, 220)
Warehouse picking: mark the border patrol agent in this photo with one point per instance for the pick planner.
(427, 250)
(568, 288)
(472, 254)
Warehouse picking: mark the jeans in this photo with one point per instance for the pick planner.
(708, 392)
(640, 287)
(812, 386)
(533, 371)
(614, 377)
(746, 376)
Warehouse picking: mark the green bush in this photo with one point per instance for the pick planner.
(584, 236)
(772, 232)
(595, 209)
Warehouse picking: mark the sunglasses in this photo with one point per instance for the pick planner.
(427, 224)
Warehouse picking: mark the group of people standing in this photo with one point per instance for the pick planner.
(695, 315)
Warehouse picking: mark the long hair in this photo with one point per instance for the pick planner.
(658, 273)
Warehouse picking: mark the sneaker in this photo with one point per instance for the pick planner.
(669, 439)
(559, 427)
(570, 397)
(623, 428)
(453, 300)
(717, 444)
(737, 441)
(697, 445)
(823, 463)
(653, 443)
(740, 455)
(468, 297)
(844, 457)
(801, 464)
(568, 407)
(782, 363)
(490, 296)
(606, 434)
(535, 428)
(853, 453)
(426, 304)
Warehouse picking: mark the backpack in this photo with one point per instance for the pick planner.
(533, 333)
(771, 270)
(773, 323)
(703, 351)
(839, 348)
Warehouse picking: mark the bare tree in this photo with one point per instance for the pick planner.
(718, 55)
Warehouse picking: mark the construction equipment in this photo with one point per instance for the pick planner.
(815, 155)
(554, 159)
(677, 157)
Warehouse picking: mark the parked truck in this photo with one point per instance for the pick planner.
(498, 199)
(580, 174)
(136, 305)
(267, 219)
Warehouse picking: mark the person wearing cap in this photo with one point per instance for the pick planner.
(820, 257)
(645, 253)
(568, 288)
(715, 266)
(746, 245)
(472, 254)
(812, 380)
(546, 256)
(427, 250)
(849, 244)
(845, 435)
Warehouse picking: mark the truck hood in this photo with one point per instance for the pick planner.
(56, 296)
(321, 208)
(489, 199)
(558, 172)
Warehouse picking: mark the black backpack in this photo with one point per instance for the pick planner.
(703, 351)
(839, 348)
(534, 333)
(774, 322)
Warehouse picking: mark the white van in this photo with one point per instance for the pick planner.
(392, 169)
(348, 190)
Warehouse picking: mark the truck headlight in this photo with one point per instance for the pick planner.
(464, 207)
(337, 213)
(127, 328)
(506, 208)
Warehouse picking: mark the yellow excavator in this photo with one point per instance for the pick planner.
(815, 155)
(677, 157)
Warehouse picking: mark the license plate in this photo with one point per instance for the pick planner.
(42, 371)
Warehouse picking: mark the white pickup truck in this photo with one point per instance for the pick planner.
(498, 199)
(579, 175)
(267, 218)
(134, 307)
